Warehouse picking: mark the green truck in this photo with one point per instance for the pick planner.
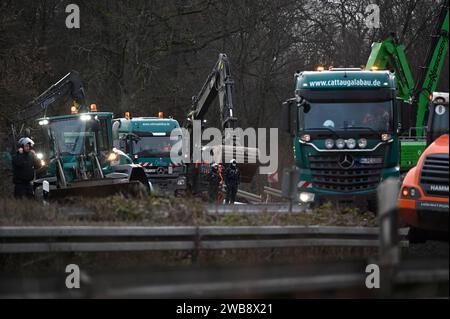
(147, 140)
(345, 128)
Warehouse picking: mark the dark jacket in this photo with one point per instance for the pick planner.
(23, 167)
(213, 177)
(232, 176)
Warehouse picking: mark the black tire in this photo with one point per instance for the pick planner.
(372, 205)
(417, 236)
(318, 202)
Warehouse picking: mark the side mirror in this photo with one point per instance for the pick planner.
(289, 117)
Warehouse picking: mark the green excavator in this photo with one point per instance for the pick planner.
(414, 95)
(78, 156)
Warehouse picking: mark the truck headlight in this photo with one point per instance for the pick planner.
(306, 197)
(385, 137)
(362, 143)
(351, 143)
(306, 138)
(181, 182)
(329, 144)
(113, 157)
(340, 143)
(85, 117)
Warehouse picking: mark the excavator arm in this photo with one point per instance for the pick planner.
(70, 85)
(219, 84)
(389, 55)
(428, 84)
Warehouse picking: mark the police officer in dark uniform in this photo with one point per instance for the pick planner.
(24, 164)
(213, 183)
(232, 181)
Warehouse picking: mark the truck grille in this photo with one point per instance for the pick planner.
(434, 175)
(329, 174)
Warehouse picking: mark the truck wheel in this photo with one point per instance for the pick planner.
(318, 202)
(372, 206)
(417, 236)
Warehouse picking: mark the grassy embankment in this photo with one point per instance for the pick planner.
(118, 210)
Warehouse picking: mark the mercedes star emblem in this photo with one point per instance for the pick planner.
(346, 161)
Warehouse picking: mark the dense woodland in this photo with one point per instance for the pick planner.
(146, 56)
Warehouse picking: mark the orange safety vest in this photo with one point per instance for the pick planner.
(220, 174)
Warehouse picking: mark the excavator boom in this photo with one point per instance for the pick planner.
(70, 85)
(220, 84)
(389, 55)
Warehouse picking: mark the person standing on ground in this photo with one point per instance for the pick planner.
(232, 181)
(213, 183)
(24, 164)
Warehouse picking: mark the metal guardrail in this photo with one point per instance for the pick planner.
(252, 198)
(261, 281)
(273, 192)
(119, 239)
(273, 208)
(255, 198)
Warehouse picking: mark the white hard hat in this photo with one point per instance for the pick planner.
(233, 161)
(26, 140)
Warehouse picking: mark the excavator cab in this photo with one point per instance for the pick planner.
(438, 117)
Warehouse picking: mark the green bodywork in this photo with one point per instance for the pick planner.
(339, 89)
(147, 141)
(389, 55)
(69, 138)
(145, 126)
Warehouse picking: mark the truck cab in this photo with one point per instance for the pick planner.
(424, 202)
(147, 140)
(345, 128)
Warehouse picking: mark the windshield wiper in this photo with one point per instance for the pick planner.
(322, 129)
(361, 128)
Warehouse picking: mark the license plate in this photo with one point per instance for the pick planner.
(150, 171)
(170, 170)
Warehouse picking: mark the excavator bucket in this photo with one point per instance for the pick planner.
(100, 188)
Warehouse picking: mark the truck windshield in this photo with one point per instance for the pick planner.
(153, 146)
(373, 116)
(75, 137)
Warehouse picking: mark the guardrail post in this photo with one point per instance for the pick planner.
(289, 185)
(389, 254)
(197, 246)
